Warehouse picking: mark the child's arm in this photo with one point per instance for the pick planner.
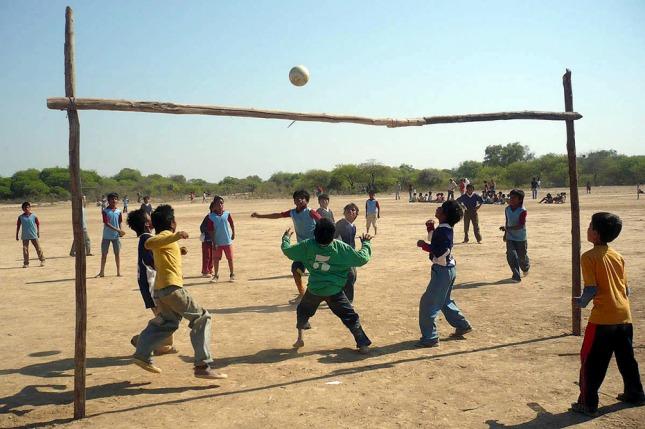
(587, 295)
(17, 228)
(106, 223)
(230, 222)
(270, 215)
(295, 252)
(358, 258)
(160, 241)
(378, 210)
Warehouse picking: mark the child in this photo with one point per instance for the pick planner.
(126, 201)
(112, 220)
(30, 233)
(323, 210)
(328, 261)
(372, 211)
(139, 221)
(221, 237)
(609, 329)
(172, 300)
(471, 203)
(346, 231)
(146, 205)
(304, 223)
(515, 235)
(207, 245)
(442, 278)
(86, 236)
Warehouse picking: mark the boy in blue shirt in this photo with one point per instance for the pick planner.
(471, 203)
(112, 220)
(304, 222)
(372, 211)
(442, 278)
(30, 225)
(515, 235)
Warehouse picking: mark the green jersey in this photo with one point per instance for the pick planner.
(328, 265)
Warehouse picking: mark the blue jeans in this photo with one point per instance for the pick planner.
(437, 298)
(517, 257)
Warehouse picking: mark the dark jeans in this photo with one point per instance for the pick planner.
(517, 257)
(340, 306)
(600, 342)
(349, 285)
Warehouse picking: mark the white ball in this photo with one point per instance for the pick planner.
(299, 75)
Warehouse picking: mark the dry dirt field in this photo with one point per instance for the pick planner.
(518, 368)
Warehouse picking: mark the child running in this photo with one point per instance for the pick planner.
(207, 244)
(139, 221)
(346, 231)
(515, 235)
(30, 225)
(112, 220)
(172, 300)
(221, 237)
(304, 223)
(328, 261)
(610, 327)
(372, 211)
(442, 278)
(323, 210)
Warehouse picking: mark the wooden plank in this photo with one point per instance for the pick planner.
(77, 207)
(576, 318)
(62, 103)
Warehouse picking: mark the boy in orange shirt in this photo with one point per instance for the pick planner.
(609, 329)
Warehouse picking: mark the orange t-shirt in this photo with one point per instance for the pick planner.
(604, 268)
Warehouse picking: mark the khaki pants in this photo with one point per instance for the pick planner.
(471, 216)
(25, 251)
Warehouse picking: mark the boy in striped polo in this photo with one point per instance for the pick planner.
(515, 235)
(372, 211)
(30, 225)
(219, 221)
(112, 220)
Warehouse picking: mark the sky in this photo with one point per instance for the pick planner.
(377, 58)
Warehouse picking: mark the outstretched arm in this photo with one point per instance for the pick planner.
(588, 294)
(267, 216)
(159, 241)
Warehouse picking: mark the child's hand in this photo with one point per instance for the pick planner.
(183, 234)
(502, 228)
(17, 238)
(121, 233)
(183, 250)
(288, 233)
(366, 237)
(254, 214)
(575, 301)
(420, 243)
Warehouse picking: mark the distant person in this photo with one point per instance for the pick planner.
(104, 202)
(222, 230)
(30, 225)
(588, 187)
(372, 211)
(610, 330)
(471, 203)
(515, 235)
(534, 188)
(452, 185)
(639, 191)
(397, 191)
(138, 197)
(346, 232)
(492, 186)
(126, 201)
(328, 261)
(207, 245)
(414, 198)
(112, 232)
(86, 236)
(437, 297)
(204, 197)
(324, 210)
(146, 206)
(410, 192)
(548, 199)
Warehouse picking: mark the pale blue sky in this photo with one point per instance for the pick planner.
(376, 58)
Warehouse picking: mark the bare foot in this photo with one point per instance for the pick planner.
(298, 344)
(99, 275)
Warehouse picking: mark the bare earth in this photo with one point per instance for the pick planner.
(518, 368)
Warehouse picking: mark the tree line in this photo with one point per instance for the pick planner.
(510, 165)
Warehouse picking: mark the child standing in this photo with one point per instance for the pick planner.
(30, 225)
(146, 205)
(126, 201)
(304, 223)
(207, 245)
(328, 261)
(139, 221)
(471, 203)
(346, 231)
(323, 210)
(515, 235)
(172, 300)
(610, 328)
(112, 220)
(221, 237)
(372, 211)
(442, 278)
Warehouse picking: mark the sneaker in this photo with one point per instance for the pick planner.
(208, 373)
(364, 350)
(631, 398)
(516, 279)
(461, 332)
(148, 366)
(215, 278)
(577, 407)
(422, 344)
(232, 277)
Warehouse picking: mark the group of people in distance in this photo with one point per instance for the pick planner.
(327, 249)
(559, 198)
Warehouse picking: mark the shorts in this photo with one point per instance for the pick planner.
(371, 219)
(105, 245)
(228, 251)
(298, 266)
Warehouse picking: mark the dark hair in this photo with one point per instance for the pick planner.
(218, 198)
(210, 206)
(470, 186)
(453, 212)
(323, 197)
(112, 195)
(301, 193)
(137, 221)
(324, 232)
(518, 192)
(607, 225)
(351, 206)
(25, 204)
(162, 218)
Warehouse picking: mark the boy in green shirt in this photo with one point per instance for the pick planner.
(328, 262)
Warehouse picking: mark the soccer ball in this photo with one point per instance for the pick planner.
(299, 75)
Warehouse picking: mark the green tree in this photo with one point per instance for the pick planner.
(27, 184)
(495, 155)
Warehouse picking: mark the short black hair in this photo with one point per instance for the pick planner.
(26, 204)
(218, 198)
(137, 221)
(301, 193)
(112, 195)
(323, 197)
(162, 217)
(453, 212)
(470, 186)
(351, 206)
(210, 206)
(607, 225)
(325, 231)
(518, 192)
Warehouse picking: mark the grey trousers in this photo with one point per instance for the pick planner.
(175, 303)
(86, 240)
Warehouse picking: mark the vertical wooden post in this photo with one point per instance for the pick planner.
(575, 206)
(77, 207)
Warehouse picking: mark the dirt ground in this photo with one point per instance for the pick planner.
(518, 368)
